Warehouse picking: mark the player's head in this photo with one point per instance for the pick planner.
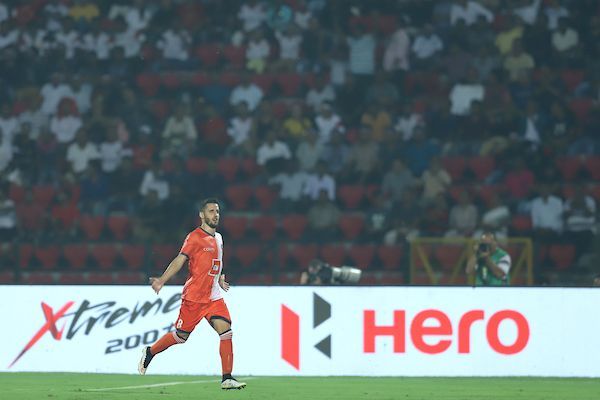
(209, 212)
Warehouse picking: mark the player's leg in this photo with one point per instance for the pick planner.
(219, 319)
(189, 315)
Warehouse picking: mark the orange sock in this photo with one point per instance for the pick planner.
(168, 340)
(226, 352)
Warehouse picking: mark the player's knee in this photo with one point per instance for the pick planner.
(227, 335)
(182, 335)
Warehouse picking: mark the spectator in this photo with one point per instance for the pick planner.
(179, 135)
(148, 225)
(112, 152)
(463, 217)
(377, 121)
(322, 92)
(363, 163)
(397, 180)
(309, 152)
(505, 39)
(580, 220)
(362, 53)
(297, 126)
(419, 152)
(273, 153)
(9, 124)
(336, 154)
(34, 116)
(436, 180)
(253, 14)
(565, 38)
(8, 218)
(291, 182)
(464, 93)
(519, 180)
(65, 124)
(323, 218)
(94, 191)
(407, 122)
(435, 216)
(53, 92)
(82, 94)
(554, 12)
(518, 62)
(241, 129)
(174, 44)
(318, 181)
(547, 212)
(427, 43)
(246, 92)
(468, 12)
(257, 52)
(290, 42)
(81, 152)
(528, 11)
(328, 123)
(495, 219)
(397, 51)
(382, 91)
(377, 219)
(84, 11)
(154, 180)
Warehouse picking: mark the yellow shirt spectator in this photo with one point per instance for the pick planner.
(504, 40)
(87, 11)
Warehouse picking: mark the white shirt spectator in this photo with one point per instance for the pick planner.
(4, 15)
(462, 95)
(426, 46)
(174, 45)
(470, 13)
(83, 97)
(52, 95)
(99, 44)
(316, 183)
(315, 97)
(152, 182)
(289, 46)
(239, 129)
(564, 41)
(529, 12)
(9, 38)
(251, 94)
(269, 151)
(65, 128)
(6, 152)
(252, 16)
(258, 49)
(396, 54)
(547, 213)
(112, 154)
(180, 128)
(308, 155)
(70, 41)
(554, 14)
(302, 18)
(80, 157)
(9, 127)
(578, 222)
(406, 125)
(362, 54)
(131, 42)
(292, 186)
(137, 18)
(531, 132)
(327, 125)
(8, 216)
(37, 121)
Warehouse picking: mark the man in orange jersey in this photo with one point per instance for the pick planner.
(201, 297)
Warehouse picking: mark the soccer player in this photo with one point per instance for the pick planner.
(201, 297)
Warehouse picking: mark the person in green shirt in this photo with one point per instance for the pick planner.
(489, 263)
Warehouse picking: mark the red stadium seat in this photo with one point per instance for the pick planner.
(104, 255)
(119, 226)
(196, 165)
(162, 255)
(521, 224)
(160, 109)
(455, 166)
(303, 254)
(47, 256)
(148, 83)
(31, 216)
(255, 279)
(228, 168)
(66, 215)
(25, 255)
(37, 278)
(7, 277)
(16, 193)
(92, 226)
(280, 109)
(250, 167)
(592, 164)
(230, 79)
(362, 255)
(562, 255)
(247, 254)
(215, 131)
(265, 226)
(290, 84)
(581, 108)
(100, 278)
(235, 56)
(569, 167)
(266, 196)
(43, 195)
(482, 167)
(209, 55)
(72, 278)
(171, 80)
(200, 79)
(447, 255)
(264, 81)
(238, 196)
(392, 278)
(76, 255)
(333, 254)
(486, 193)
(235, 227)
(133, 255)
(391, 257)
(351, 226)
(351, 195)
(294, 225)
(572, 78)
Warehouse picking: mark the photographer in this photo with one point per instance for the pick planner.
(490, 263)
(321, 273)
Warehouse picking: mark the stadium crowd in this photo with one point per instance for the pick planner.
(343, 128)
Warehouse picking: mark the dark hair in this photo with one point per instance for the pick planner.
(489, 233)
(207, 201)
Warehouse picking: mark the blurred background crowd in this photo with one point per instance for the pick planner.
(343, 129)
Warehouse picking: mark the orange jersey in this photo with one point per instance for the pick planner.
(205, 256)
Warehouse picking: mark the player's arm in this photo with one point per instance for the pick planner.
(472, 261)
(172, 269)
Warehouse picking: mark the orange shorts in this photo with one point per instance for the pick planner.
(191, 313)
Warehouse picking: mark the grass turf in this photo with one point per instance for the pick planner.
(25, 386)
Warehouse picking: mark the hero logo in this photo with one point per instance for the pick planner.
(420, 327)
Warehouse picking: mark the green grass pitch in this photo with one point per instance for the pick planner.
(52, 386)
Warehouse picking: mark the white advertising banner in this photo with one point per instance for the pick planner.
(378, 331)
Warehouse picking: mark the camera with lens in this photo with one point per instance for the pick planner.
(482, 248)
(321, 272)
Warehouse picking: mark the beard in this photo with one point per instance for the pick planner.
(213, 225)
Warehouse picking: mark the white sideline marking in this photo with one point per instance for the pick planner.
(154, 385)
